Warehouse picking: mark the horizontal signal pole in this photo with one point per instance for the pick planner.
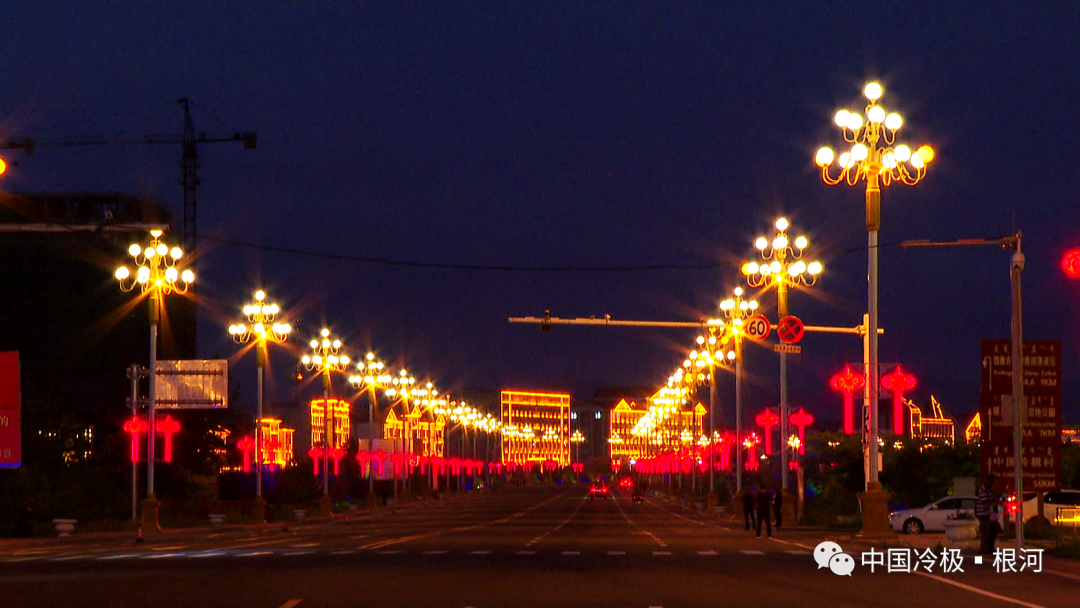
(609, 322)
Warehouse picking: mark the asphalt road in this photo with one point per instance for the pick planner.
(521, 547)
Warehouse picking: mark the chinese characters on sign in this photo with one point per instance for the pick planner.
(950, 561)
(10, 410)
(1041, 459)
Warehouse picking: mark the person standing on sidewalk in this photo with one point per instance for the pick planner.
(748, 505)
(985, 506)
(763, 503)
(778, 506)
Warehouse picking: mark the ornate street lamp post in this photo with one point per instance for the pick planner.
(873, 157)
(736, 309)
(371, 378)
(325, 358)
(260, 326)
(157, 276)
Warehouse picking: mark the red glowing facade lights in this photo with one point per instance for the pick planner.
(848, 383)
(272, 446)
(767, 420)
(898, 383)
(1070, 263)
(168, 427)
(336, 454)
(398, 459)
(801, 419)
(750, 443)
(379, 457)
(364, 458)
(246, 444)
(578, 467)
(135, 427)
(316, 455)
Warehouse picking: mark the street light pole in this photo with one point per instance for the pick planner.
(325, 359)
(737, 309)
(873, 155)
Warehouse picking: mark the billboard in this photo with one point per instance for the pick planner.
(1041, 458)
(10, 411)
(192, 384)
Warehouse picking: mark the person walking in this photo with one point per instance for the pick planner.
(748, 505)
(985, 509)
(778, 505)
(763, 512)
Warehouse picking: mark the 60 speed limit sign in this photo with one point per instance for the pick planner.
(757, 327)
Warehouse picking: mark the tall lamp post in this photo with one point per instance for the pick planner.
(873, 157)
(370, 378)
(261, 326)
(576, 438)
(157, 276)
(736, 309)
(326, 358)
(782, 267)
(714, 350)
(400, 385)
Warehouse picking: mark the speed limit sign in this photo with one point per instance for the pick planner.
(757, 327)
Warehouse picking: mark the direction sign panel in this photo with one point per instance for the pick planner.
(192, 384)
(787, 348)
(757, 327)
(1041, 415)
(10, 410)
(790, 329)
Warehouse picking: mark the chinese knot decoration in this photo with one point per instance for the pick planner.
(801, 419)
(246, 444)
(848, 383)
(898, 383)
(767, 420)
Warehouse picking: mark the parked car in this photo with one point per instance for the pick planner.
(931, 518)
(1052, 501)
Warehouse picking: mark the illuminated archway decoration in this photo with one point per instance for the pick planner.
(898, 383)
(1070, 263)
(246, 444)
(168, 427)
(801, 419)
(848, 383)
(135, 427)
(767, 420)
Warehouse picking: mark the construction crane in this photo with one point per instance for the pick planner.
(189, 162)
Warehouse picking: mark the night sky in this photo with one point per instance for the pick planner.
(568, 135)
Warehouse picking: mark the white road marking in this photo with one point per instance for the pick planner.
(22, 559)
(661, 552)
(358, 536)
(785, 542)
(208, 554)
(571, 552)
(1064, 574)
(351, 552)
(172, 548)
(479, 552)
(751, 552)
(254, 553)
(979, 591)
(305, 545)
(707, 553)
(797, 552)
(162, 555)
(121, 556)
(616, 552)
(295, 553)
(394, 552)
(526, 553)
(435, 552)
(65, 559)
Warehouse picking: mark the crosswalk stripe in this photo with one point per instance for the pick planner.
(526, 553)
(208, 554)
(65, 559)
(479, 552)
(616, 552)
(707, 553)
(295, 553)
(435, 552)
(350, 552)
(661, 552)
(571, 552)
(393, 552)
(751, 552)
(253, 553)
(797, 552)
(162, 555)
(111, 557)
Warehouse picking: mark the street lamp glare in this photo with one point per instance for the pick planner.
(854, 121)
(859, 152)
(325, 333)
(842, 119)
(782, 224)
(134, 250)
(824, 156)
(761, 243)
(893, 121)
(873, 91)
(925, 153)
(801, 242)
(814, 268)
(122, 273)
(876, 114)
(738, 291)
(780, 242)
(750, 268)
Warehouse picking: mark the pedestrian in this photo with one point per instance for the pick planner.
(778, 504)
(763, 512)
(748, 506)
(985, 510)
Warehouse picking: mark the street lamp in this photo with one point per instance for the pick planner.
(400, 385)
(873, 157)
(157, 276)
(370, 378)
(713, 350)
(736, 309)
(782, 267)
(325, 358)
(576, 438)
(261, 326)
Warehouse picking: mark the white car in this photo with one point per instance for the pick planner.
(931, 518)
(1052, 501)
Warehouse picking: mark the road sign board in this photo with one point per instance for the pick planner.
(192, 384)
(10, 410)
(757, 327)
(1041, 416)
(790, 329)
(787, 348)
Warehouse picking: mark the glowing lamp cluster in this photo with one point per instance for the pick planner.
(155, 268)
(737, 309)
(781, 260)
(801, 419)
(371, 374)
(872, 151)
(325, 354)
(898, 383)
(261, 325)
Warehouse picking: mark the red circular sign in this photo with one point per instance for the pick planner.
(1070, 263)
(790, 329)
(757, 327)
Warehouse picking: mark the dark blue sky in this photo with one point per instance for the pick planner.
(513, 134)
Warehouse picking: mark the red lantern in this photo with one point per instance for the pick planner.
(1070, 263)
(398, 459)
(363, 458)
(135, 427)
(316, 455)
(848, 383)
(336, 454)
(380, 458)
(246, 444)
(167, 427)
(898, 383)
(767, 420)
(802, 420)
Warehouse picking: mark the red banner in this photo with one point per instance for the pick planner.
(10, 409)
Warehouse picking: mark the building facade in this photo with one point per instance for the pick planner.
(338, 413)
(664, 424)
(536, 427)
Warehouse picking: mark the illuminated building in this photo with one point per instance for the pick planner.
(536, 427)
(428, 437)
(937, 426)
(663, 425)
(277, 448)
(973, 430)
(339, 410)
